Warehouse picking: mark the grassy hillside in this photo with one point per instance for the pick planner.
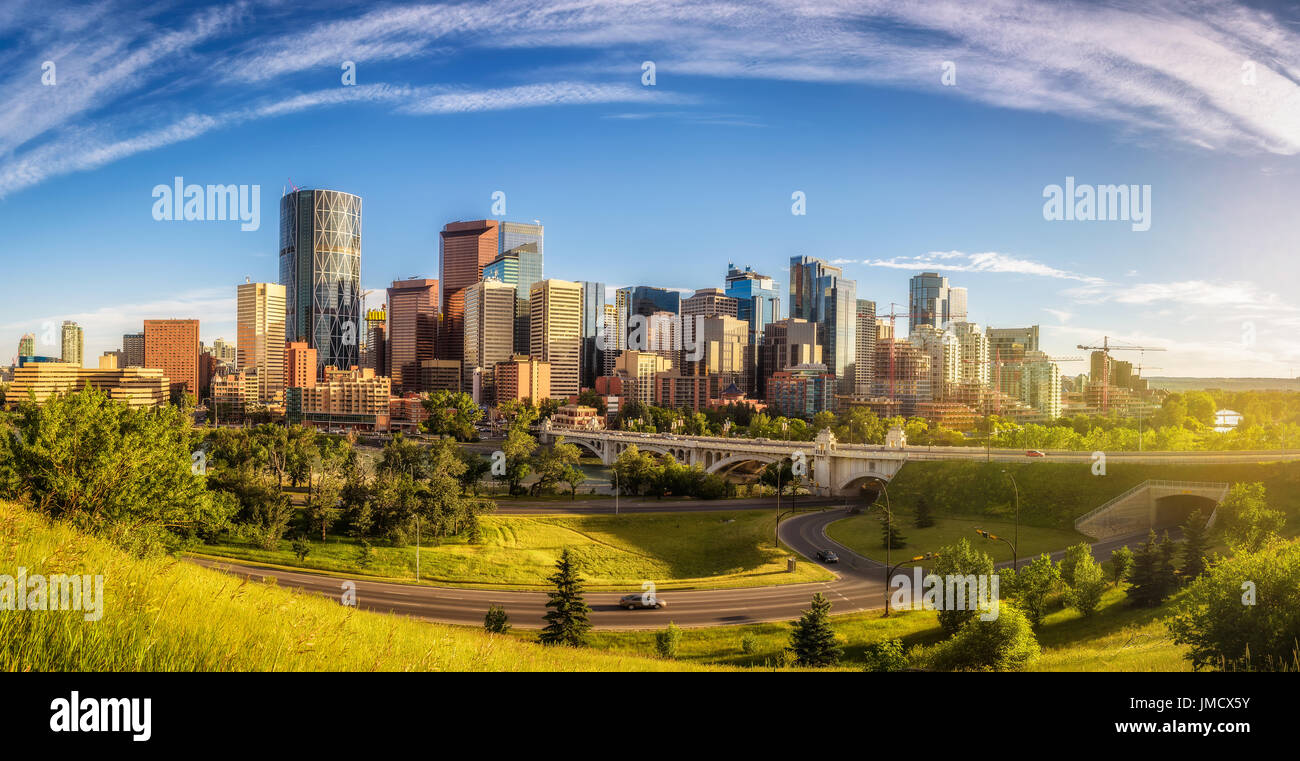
(675, 550)
(1117, 638)
(862, 534)
(166, 615)
(1052, 495)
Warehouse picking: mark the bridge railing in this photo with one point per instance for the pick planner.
(1219, 486)
(1110, 503)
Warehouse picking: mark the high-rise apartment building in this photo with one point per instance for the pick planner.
(638, 370)
(974, 353)
(73, 344)
(133, 349)
(173, 347)
(931, 301)
(944, 351)
(820, 293)
(555, 332)
(466, 247)
(320, 268)
(489, 335)
(299, 365)
(523, 377)
(260, 335)
(611, 339)
(27, 345)
(864, 370)
(412, 331)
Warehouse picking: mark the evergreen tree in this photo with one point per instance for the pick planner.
(1152, 577)
(566, 622)
(1121, 564)
(924, 516)
(813, 641)
(890, 537)
(1167, 567)
(1196, 542)
(496, 620)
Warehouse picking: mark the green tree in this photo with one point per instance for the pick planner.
(451, 413)
(138, 477)
(1084, 594)
(890, 535)
(301, 547)
(960, 559)
(1196, 545)
(566, 621)
(1243, 613)
(1074, 554)
(496, 621)
(1247, 521)
(813, 641)
(1121, 564)
(1005, 643)
(1032, 586)
(517, 448)
(1152, 578)
(924, 517)
(668, 640)
(885, 656)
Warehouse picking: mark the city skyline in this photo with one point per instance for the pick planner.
(901, 168)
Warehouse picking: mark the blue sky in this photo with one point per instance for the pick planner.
(664, 184)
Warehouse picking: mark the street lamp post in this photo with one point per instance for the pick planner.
(890, 574)
(776, 532)
(1015, 547)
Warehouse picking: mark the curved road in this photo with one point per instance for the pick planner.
(859, 586)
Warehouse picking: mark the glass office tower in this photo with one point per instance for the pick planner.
(819, 293)
(758, 298)
(320, 268)
(593, 314)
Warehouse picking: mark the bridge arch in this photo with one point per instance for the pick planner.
(1175, 509)
(729, 463)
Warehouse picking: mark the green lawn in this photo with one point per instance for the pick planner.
(862, 534)
(1116, 638)
(674, 550)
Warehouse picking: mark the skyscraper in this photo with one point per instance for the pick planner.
(864, 370)
(525, 243)
(27, 345)
(260, 335)
(320, 268)
(173, 347)
(489, 335)
(73, 343)
(555, 332)
(593, 317)
(467, 247)
(758, 298)
(819, 293)
(412, 331)
(931, 301)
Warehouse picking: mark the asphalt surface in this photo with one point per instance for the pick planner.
(859, 585)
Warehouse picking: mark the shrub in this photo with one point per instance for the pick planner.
(1006, 643)
(667, 641)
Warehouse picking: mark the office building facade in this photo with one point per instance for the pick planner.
(173, 347)
(412, 331)
(555, 332)
(820, 293)
(320, 269)
(260, 339)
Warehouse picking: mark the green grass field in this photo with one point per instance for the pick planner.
(1116, 638)
(674, 550)
(167, 615)
(861, 533)
(1052, 495)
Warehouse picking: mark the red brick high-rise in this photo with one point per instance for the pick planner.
(466, 248)
(412, 330)
(299, 365)
(173, 347)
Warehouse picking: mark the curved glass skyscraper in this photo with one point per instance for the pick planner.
(320, 268)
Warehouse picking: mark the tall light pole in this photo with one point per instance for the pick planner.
(776, 532)
(1015, 548)
(890, 574)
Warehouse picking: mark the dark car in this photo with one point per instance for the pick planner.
(827, 556)
(632, 602)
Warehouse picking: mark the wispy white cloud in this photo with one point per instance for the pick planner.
(989, 261)
(1173, 69)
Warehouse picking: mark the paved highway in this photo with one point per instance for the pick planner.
(859, 585)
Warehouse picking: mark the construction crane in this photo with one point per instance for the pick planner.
(893, 341)
(1106, 348)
